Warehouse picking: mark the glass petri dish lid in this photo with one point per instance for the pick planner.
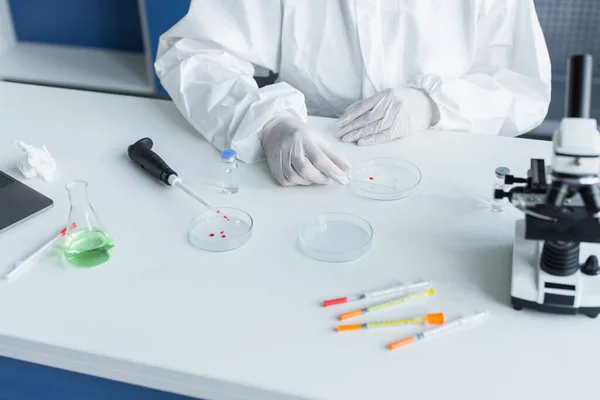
(385, 178)
(220, 229)
(335, 237)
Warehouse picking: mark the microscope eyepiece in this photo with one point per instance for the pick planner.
(579, 86)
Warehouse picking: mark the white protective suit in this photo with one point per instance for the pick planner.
(483, 62)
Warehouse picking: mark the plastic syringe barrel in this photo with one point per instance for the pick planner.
(141, 152)
(579, 86)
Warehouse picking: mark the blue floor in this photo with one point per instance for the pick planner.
(25, 381)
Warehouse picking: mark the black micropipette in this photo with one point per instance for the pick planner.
(141, 152)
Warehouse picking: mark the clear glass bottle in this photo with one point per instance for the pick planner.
(231, 179)
(87, 243)
(500, 204)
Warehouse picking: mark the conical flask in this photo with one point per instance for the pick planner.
(87, 243)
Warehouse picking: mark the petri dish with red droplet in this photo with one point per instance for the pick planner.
(385, 178)
(220, 229)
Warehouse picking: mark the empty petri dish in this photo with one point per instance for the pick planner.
(335, 237)
(385, 178)
(220, 229)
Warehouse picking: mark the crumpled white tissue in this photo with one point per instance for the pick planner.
(36, 162)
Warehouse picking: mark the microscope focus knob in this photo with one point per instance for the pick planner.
(591, 267)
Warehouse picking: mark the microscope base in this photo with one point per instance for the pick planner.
(520, 304)
(535, 289)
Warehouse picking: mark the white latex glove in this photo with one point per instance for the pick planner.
(388, 115)
(297, 156)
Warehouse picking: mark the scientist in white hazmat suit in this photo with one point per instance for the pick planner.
(386, 68)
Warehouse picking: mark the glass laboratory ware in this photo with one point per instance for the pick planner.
(231, 179)
(385, 178)
(335, 237)
(220, 229)
(87, 243)
(499, 204)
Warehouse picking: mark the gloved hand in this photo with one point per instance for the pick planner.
(297, 156)
(388, 115)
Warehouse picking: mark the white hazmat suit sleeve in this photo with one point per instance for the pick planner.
(507, 89)
(207, 61)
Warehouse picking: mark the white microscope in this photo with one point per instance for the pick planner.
(554, 266)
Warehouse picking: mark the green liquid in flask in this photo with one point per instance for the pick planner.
(88, 247)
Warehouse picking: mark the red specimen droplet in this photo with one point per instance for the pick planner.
(371, 178)
(222, 232)
(218, 211)
(223, 236)
(211, 235)
(225, 216)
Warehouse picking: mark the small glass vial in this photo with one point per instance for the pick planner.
(500, 204)
(231, 178)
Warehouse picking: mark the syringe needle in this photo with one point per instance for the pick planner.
(20, 266)
(377, 293)
(429, 319)
(447, 327)
(387, 304)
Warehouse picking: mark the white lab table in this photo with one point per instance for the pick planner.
(248, 324)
